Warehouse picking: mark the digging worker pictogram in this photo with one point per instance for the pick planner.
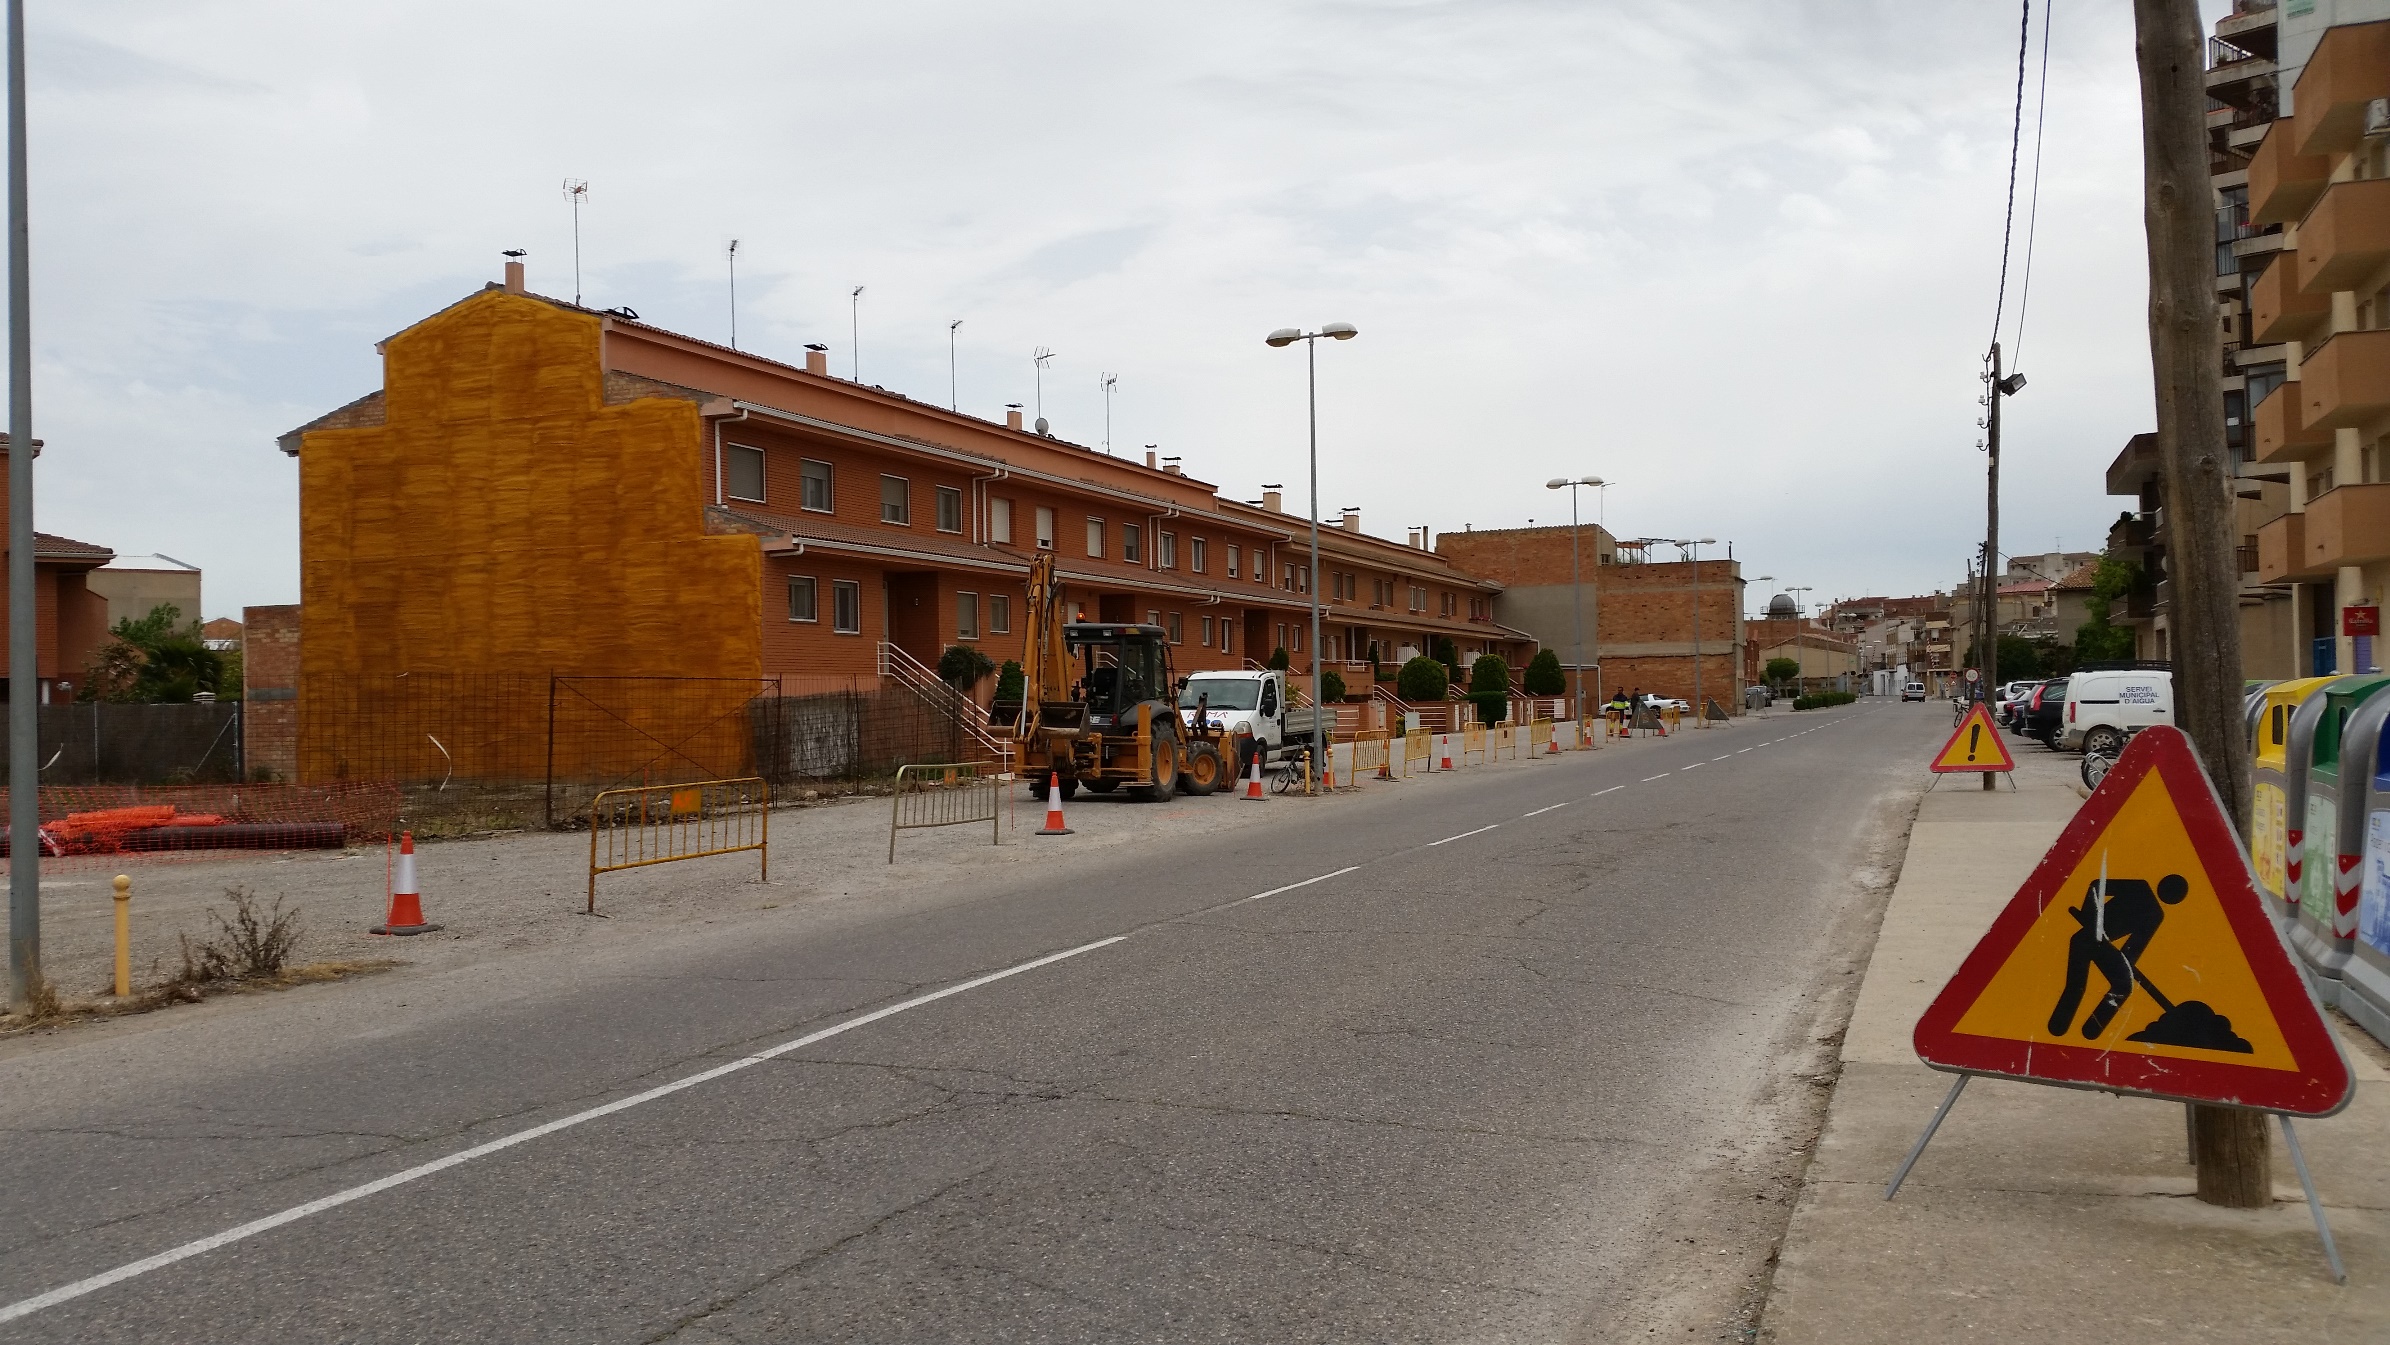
(2130, 915)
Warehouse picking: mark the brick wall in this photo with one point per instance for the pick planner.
(270, 690)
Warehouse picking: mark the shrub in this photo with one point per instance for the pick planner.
(1816, 700)
(1543, 676)
(245, 947)
(961, 666)
(1489, 689)
(1331, 686)
(1422, 679)
(1010, 682)
(1278, 658)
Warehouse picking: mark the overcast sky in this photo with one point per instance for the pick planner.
(1737, 257)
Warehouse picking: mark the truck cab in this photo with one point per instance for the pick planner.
(1232, 702)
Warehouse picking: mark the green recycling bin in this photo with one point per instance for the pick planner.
(2341, 737)
(2365, 981)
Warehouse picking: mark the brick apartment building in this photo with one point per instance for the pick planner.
(2321, 178)
(1639, 613)
(542, 488)
(70, 621)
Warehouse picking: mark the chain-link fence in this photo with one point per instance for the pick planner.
(99, 742)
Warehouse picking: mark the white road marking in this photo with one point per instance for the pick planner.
(1721, 758)
(1466, 834)
(1694, 767)
(1611, 790)
(1350, 868)
(26, 1307)
(1661, 776)
(1541, 811)
(1740, 750)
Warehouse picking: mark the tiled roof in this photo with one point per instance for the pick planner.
(2081, 576)
(51, 546)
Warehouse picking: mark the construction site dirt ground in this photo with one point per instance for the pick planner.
(523, 893)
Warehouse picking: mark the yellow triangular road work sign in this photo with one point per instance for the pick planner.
(2138, 959)
(1975, 746)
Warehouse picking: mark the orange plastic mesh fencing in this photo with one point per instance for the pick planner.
(111, 826)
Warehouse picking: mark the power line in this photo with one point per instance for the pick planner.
(2016, 140)
(2041, 110)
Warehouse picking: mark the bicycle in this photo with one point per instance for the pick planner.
(1289, 774)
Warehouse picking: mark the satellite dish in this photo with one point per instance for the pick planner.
(1041, 424)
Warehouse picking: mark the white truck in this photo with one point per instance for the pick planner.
(1248, 702)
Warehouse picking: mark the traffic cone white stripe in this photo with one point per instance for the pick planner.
(1054, 826)
(1253, 792)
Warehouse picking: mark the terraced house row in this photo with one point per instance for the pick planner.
(543, 488)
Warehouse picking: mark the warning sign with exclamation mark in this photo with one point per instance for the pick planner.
(1975, 745)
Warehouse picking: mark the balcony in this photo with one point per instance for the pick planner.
(2282, 550)
(2346, 237)
(2283, 184)
(2350, 68)
(2281, 437)
(2346, 382)
(2348, 525)
(2278, 309)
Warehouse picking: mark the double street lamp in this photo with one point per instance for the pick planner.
(1287, 336)
(1693, 547)
(1576, 581)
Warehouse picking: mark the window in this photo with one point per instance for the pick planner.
(1286, 575)
(1303, 578)
(1418, 598)
(1225, 641)
(1232, 562)
(803, 595)
(896, 500)
(1153, 618)
(1095, 537)
(1045, 528)
(966, 615)
(1132, 543)
(1000, 521)
(950, 509)
(1178, 632)
(742, 472)
(846, 607)
(1195, 555)
(1207, 632)
(999, 614)
(1298, 639)
(816, 476)
(1170, 551)
(1446, 609)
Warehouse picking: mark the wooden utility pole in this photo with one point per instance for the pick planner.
(1988, 651)
(2186, 355)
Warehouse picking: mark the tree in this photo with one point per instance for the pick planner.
(153, 659)
(1278, 658)
(1422, 679)
(1010, 682)
(1489, 689)
(1782, 670)
(1448, 654)
(1331, 686)
(1543, 676)
(962, 665)
(2097, 640)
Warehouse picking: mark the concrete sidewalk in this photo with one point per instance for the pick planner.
(2047, 1213)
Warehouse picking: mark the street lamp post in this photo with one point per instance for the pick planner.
(1800, 649)
(1576, 581)
(1287, 336)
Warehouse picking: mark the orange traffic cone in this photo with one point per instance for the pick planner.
(1386, 767)
(1253, 792)
(1053, 826)
(406, 904)
(1444, 750)
(1553, 742)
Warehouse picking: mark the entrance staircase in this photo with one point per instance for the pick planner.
(913, 675)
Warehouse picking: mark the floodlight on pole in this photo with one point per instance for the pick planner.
(1287, 336)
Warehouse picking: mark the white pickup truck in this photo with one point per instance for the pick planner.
(1248, 702)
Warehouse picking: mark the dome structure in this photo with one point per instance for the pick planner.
(1782, 607)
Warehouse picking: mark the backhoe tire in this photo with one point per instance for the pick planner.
(1070, 789)
(1164, 785)
(1204, 770)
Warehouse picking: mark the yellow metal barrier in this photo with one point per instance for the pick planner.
(657, 824)
(947, 794)
(1418, 749)
(1473, 740)
(1506, 738)
(1369, 754)
(1539, 737)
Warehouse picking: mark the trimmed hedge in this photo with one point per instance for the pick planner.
(1422, 679)
(1543, 676)
(1331, 686)
(1818, 700)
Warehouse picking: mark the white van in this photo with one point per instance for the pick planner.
(2105, 708)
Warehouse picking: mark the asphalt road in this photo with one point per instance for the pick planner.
(1535, 1063)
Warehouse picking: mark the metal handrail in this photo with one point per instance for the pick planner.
(910, 673)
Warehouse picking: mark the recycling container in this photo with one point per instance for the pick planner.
(2341, 745)
(2270, 796)
(2365, 980)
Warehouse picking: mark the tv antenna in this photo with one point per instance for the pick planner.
(954, 400)
(1038, 357)
(576, 190)
(734, 294)
(1108, 382)
(854, 329)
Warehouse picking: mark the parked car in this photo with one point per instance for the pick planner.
(2105, 708)
(1912, 691)
(2006, 706)
(2045, 710)
(1653, 702)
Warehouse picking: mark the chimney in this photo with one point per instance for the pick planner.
(1149, 458)
(1171, 466)
(817, 360)
(1352, 520)
(1273, 501)
(514, 277)
(1012, 419)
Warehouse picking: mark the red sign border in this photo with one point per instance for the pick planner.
(1978, 713)
(2324, 1083)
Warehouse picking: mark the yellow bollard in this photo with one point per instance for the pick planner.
(124, 936)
